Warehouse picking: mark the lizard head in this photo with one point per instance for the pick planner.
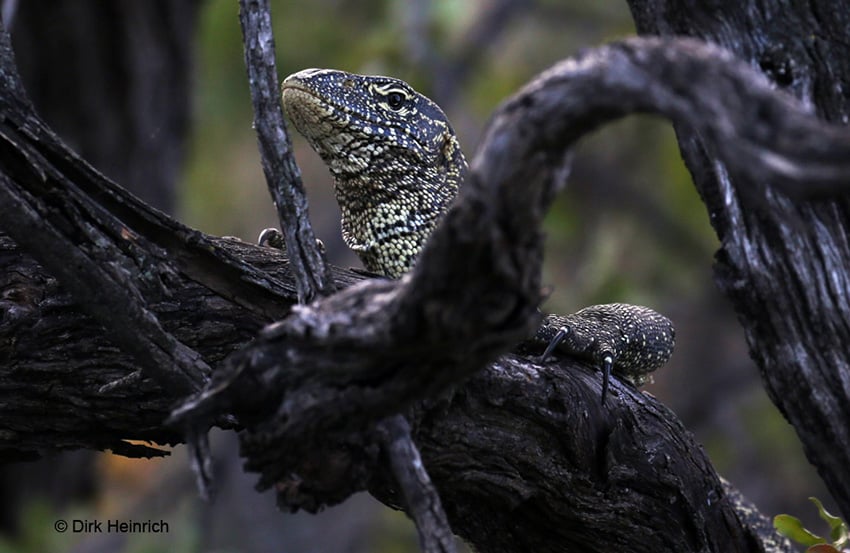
(357, 123)
(394, 156)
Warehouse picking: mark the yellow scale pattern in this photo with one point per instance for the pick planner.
(394, 156)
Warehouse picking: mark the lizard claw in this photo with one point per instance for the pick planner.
(553, 343)
(607, 364)
(271, 237)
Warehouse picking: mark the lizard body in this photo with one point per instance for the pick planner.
(397, 165)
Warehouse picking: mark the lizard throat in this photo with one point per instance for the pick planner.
(387, 221)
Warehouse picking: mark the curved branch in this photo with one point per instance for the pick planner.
(759, 133)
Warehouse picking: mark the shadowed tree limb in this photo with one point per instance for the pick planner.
(530, 441)
(87, 248)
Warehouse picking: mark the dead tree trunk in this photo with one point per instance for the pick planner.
(114, 314)
(783, 262)
(113, 80)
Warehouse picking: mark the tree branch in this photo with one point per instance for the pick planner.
(784, 264)
(55, 359)
(95, 261)
(282, 174)
(420, 498)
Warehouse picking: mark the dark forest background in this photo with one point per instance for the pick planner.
(630, 227)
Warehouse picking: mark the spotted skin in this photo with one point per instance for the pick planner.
(394, 157)
(397, 165)
(630, 340)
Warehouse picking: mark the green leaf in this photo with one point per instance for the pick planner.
(792, 528)
(837, 527)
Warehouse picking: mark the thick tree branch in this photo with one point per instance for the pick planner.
(54, 359)
(92, 259)
(110, 253)
(107, 291)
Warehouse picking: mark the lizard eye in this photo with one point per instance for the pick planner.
(395, 100)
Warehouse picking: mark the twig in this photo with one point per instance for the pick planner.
(200, 459)
(282, 174)
(421, 498)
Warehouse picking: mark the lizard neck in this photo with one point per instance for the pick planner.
(388, 215)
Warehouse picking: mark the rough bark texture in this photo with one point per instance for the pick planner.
(55, 359)
(523, 454)
(113, 79)
(783, 262)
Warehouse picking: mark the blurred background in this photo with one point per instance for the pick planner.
(154, 94)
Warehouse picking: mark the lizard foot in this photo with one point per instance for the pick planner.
(628, 340)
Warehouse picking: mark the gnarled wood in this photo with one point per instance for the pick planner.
(523, 454)
(783, 262)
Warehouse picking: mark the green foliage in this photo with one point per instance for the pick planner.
(792, 528)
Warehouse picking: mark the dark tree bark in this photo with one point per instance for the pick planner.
(783, 262)
(113, 79)
(523, 455)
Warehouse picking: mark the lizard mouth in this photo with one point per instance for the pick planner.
(296, 84)
(300, 93)
(296, 88)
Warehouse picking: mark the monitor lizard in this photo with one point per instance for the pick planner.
(397, 165)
